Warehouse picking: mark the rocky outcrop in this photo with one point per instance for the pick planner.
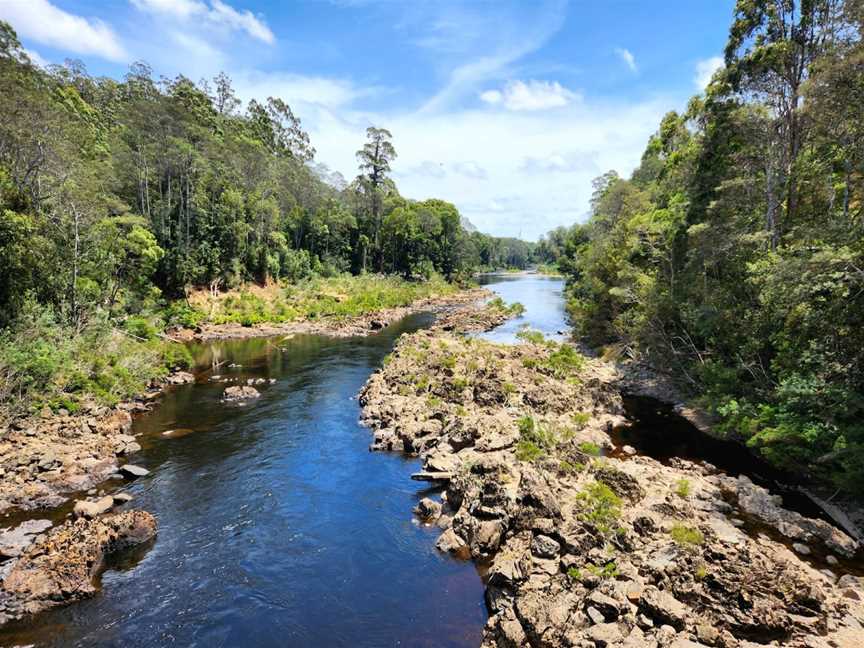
(586, 550)
(239, 394)
(63, 565)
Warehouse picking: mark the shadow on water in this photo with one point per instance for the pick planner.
(277, 527)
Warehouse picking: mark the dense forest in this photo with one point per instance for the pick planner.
(733, 256)
(118, 198)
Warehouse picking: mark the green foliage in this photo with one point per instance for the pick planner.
(590, 449)
(686, 536)
(600, 507)
(44, 361)
(732, 257)
(682, 487)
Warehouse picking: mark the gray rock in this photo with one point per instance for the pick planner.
(801, 548)
(14, 541)
(545, 547)
(131, 470)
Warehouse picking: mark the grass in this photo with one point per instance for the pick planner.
(46, 362)
(682, 487)
(318, 298)
(686, 536)
(590, 449)
(609, 570)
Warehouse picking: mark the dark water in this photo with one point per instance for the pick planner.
(276, 526)
(542, 298)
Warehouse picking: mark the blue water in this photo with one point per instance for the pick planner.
(542, 298)
(277, 527)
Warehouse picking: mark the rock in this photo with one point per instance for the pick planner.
(133, 471)
(545, 547)
(427, 509)
(633, 591)
(14, 541)
(122, 498)
(628, 450)
(663, 607)
(86, 509)
(605, 634)
(180, 378)
(61, 568)
(832, 560)
(239, 393)
(608, 606)
(707, 633)
(450, 542)
(595, 615)
(801, 548)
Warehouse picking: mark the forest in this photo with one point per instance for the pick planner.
(733, 256)
(118, 198)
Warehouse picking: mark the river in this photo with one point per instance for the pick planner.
(277, 527)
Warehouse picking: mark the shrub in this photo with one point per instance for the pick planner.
(600, 507)
(588, 448)
(682, 487)
(686, 536)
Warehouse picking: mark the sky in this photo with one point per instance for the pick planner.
(506, 109)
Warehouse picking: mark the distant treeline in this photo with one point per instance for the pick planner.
(117, 194)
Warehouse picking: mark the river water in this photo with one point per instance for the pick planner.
(277, 527)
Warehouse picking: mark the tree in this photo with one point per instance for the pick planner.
(374, 160)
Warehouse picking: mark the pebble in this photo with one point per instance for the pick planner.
(802, 549)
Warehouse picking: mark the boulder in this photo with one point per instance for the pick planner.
(545, 547)
(428, 509)
(87, 509)
(240, 393)
(133, 471)
(663, 607)
(62, 567)
(14, 541)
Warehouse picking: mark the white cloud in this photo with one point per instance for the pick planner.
(36, 58)
(218, 13)
(531, 95)
(298, 90)
(551, 157)
(470, 170)
(628, 58)
(44, 23)
(705, 69)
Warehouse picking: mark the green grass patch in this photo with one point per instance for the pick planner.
(686, 536)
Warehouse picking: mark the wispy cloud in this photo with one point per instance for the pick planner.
(705, 70)
(513, 38)
(217, 13)
(627, 56)
(530, 95)
(47, 24)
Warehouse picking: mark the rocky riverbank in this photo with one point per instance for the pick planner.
(47, 457)
(61, 566)
(580, 549)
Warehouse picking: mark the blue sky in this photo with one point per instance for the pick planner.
(507, 109)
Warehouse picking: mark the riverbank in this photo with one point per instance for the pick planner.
(583, 549)
(47, 458)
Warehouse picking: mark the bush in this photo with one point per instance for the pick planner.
(600, 507)
(682, 487)
(686, 536)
